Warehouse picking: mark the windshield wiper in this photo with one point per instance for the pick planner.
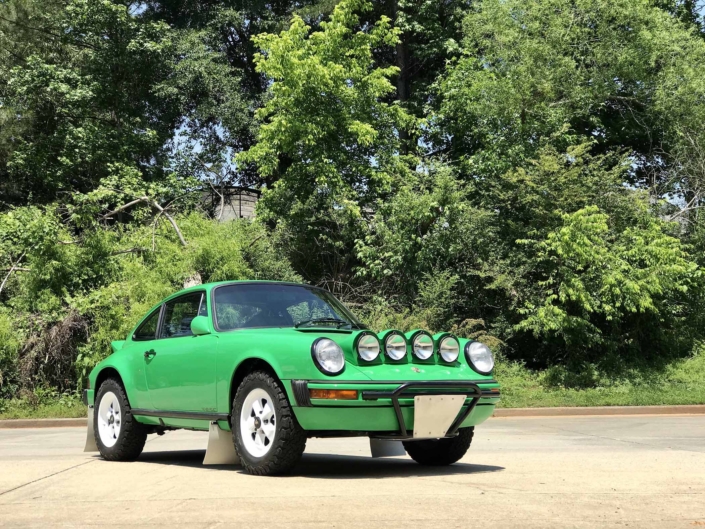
(323, 320)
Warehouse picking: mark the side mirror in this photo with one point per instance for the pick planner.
(200, 326)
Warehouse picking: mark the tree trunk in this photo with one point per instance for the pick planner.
(403, 84)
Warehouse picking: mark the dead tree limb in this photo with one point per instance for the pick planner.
(172, 221)
(154, 231)
(222, 201)
(154, 204)
(131, 250)
(220, 178)
(255, 240)
(9, 273)
(125, 206)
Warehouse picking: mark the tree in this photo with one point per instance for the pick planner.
(328, 140)
(87, 105)
(611, 294)
(624, 73)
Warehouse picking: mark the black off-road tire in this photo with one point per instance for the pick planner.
(440, 452)
(289, 438)
(133, 434)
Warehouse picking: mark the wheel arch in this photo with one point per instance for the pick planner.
(106, 373)
(243, 369)
(110, 371)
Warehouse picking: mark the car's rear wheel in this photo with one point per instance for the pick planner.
(118, 435)
(440, 452)
(267, 437)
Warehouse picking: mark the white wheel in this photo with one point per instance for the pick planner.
(258, 422)
(109, 419)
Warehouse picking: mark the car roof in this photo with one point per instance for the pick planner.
(209, 286)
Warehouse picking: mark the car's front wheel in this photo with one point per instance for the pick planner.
(267, 437)
(118, 435)
(440, 452)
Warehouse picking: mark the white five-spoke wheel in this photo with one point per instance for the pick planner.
(258, 422)
(109, 419)
(268, 438)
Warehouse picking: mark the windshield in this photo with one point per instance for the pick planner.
(253, 305)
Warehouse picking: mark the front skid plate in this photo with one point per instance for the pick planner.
(385, 448)
(434, 414)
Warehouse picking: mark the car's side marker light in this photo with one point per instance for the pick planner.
(333, 394)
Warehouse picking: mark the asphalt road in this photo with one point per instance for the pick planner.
(646, 471)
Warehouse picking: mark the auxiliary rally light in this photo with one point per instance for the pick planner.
(333, 394)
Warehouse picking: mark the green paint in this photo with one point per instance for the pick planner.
(193, 369)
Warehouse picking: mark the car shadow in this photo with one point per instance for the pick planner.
(329, 466)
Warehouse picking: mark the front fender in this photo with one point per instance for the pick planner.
(131, 374)
(292, 364)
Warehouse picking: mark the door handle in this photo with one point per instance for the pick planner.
(150, 353)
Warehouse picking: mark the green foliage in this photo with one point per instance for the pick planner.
(530, 173)
(88, 105)
(558, 386)
(623, 72)
(110, 278)
(10, 342)
(609, 290)
(328, 136)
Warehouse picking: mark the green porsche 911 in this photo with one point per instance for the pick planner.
(276, 363)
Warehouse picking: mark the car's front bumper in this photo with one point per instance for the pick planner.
(386, 409)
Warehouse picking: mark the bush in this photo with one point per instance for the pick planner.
(79, 297)
(10, 341)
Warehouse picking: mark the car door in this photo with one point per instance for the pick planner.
(143, 339)
(180, 367)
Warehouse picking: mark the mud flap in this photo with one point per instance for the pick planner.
(221, 450)
(90, 433)
(385, 448)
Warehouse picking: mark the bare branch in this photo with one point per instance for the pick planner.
(172, 221)
(125, 206)
(157, 206)
(12, 269)
(131, 250)
(255, 240)
(222, 200)
(154, 231)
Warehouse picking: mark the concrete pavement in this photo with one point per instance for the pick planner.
(520, 472)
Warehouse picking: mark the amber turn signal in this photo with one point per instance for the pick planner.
(333, 394)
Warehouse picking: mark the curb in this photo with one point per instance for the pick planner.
(42, 423)
(693, 409)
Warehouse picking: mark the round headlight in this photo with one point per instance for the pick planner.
(395, 346)
(480, 357)
(368, 346)
(328, 356)
(449, 349)
(422, 345)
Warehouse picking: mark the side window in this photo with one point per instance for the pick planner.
(178, 314)
(148, 329)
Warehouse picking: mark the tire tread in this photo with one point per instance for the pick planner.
(133, 435)
(440, 452)
(291, 441)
